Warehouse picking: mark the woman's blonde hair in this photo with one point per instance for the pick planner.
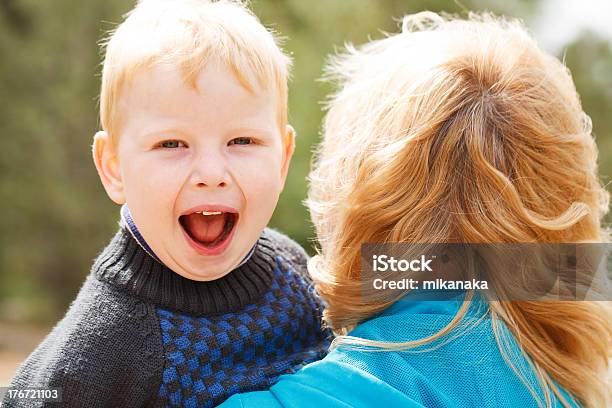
(462, 130)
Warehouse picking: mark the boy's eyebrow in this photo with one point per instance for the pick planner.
(266, 131)
(239, 130)
(159, 132)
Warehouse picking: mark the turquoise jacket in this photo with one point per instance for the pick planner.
(463, 369)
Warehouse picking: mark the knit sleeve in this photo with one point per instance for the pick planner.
(105, 352)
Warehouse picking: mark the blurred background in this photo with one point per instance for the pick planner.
(56, 216)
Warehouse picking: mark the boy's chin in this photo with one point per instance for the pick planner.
(207, 271)
(203, 277)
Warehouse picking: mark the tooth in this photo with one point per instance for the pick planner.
(211, 212)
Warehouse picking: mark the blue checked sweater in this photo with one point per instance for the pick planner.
(140, 335)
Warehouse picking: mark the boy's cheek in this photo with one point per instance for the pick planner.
(267, 182)
(148, 192)
(261, 203)
(252, 168)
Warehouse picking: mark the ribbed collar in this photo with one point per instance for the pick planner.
(127, 266)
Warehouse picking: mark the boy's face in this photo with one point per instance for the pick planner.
(201, 169)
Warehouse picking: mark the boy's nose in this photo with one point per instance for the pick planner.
(210, 171)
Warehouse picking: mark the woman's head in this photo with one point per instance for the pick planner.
(453, 131)
(450, 131)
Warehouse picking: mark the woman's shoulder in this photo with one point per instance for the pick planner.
(421, 316)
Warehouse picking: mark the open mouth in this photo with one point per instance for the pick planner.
(209, 230)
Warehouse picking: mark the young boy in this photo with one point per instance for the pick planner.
(194, 299)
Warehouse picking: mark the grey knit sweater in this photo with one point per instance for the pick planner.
(138, 334)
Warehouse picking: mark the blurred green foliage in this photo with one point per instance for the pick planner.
(55, 215)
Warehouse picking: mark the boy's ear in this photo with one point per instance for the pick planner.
(107, 163)
(288, 149)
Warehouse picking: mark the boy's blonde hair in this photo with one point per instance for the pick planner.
(190, 34)
(462, 131)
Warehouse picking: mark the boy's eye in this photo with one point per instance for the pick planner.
(171, 144)
(241, 141)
